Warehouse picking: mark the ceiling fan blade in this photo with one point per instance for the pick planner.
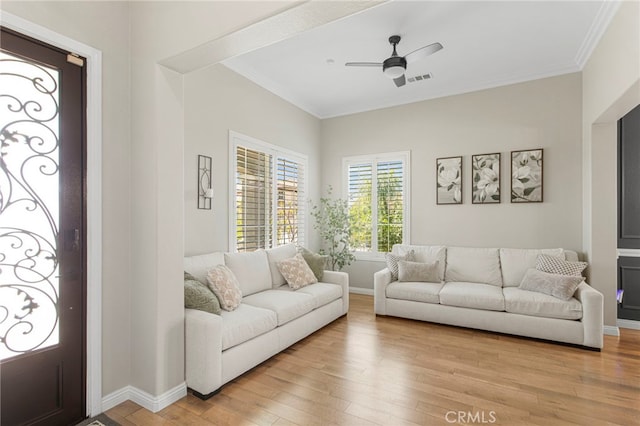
(400, 81)
(363, 64)
(423, 52)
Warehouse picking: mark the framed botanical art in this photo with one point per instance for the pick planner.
(485, 178)
(449, 180)
(526, 176)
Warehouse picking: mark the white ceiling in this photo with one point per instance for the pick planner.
(486, 44)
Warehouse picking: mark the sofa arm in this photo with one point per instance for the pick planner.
(203, 351)
(592, 314)
(341, 278)
(381, 280)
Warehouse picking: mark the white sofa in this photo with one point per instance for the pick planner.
(270, 318)
(479, 289)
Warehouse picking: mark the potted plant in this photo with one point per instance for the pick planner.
(332, 222)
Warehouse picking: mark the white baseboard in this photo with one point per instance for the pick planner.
(625, 323)
(360, 290)
(114, 398)
(144, 399)
(611, 330)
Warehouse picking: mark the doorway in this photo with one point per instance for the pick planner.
(42, 233)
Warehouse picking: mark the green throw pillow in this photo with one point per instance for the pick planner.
(316, 262)
(188, 276)
(198, 296)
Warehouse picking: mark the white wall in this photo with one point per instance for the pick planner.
(539, 114)
(110, 34)
(160, 30)
(611, 88)
(218, 100)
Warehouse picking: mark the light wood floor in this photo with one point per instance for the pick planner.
(368, 370)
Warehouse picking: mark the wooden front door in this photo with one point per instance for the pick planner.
(42, 234)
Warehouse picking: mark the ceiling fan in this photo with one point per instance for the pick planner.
(395, 66)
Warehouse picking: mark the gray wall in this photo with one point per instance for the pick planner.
(539, 114)
(218, 100)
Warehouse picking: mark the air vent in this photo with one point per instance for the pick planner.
(419, 78)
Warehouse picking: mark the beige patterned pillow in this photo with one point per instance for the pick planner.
(560, 286)
(418, 271)
(296, 271)
(225, 286)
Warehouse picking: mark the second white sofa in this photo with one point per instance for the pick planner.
(478, 288)
(270, 318)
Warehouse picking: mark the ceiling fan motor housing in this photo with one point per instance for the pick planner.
(394, 64)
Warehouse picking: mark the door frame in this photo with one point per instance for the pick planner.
(94, 194)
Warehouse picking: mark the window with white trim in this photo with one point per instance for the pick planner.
(377, 189)
(268, 189)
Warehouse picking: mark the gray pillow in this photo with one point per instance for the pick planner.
(392, 262)
(199, 296)
(560, 286)
(317, 262)
(418, 271)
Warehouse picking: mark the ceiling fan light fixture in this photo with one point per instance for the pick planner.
(394, 71)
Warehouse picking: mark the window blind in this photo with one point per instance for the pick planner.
(390, 195)
(291, 195)
(359, 201)
(253, 199)
(378, 201)
(270, 195)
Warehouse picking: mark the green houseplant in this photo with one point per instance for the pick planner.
(332, 222)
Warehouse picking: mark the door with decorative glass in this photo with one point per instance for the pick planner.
(42, 233)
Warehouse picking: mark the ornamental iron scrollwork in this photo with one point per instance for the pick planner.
(29, 206)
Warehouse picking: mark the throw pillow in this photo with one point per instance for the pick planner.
(317, 262)
(199, 296)
(392, 262)
(418, 271)
(555, 265)
(297, 272)
(188, 276)
(560, 286)
(225, 286)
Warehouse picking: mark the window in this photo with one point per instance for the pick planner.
(378, 197)
(269, 189)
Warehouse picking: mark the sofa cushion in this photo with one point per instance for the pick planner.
(199, 266)
(515, 262)
(425, 254)
(418, 271)
(296, 272)
(322, 293)
(251, 269)
(245, 323)
(560, 286)
(415, 291)
(288, 305)
(473, 265)
(225, 286)
(472, 295)
(525, 302)
(553, 265)
(275, 255)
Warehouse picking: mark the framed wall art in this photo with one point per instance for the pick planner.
(449, 180)
(526, 176)
(485, 178)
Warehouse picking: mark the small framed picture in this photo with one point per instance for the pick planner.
(485, 178)
(526, 176)
(449, 180)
